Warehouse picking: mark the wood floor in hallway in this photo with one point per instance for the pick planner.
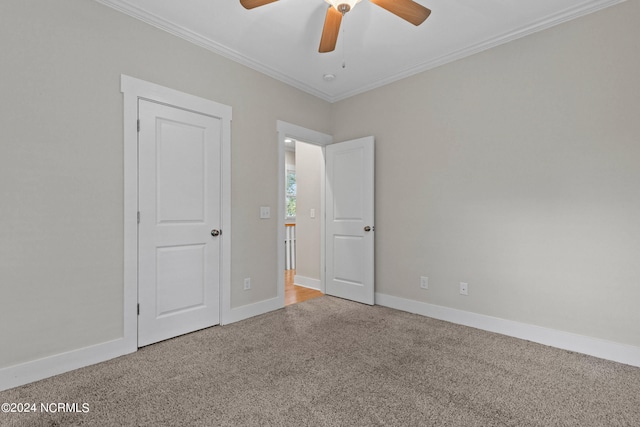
(293, 293)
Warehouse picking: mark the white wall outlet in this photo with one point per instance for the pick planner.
(312, 213)
(265, 212)
(247, 283)
(464, 288)
(424, 282)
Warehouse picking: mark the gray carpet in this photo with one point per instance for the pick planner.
(330, 362)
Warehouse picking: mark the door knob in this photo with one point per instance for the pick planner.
(215, 232)
(369, 228)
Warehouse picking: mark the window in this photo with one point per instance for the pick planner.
(290, 194)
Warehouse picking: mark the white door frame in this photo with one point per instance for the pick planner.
(134, 89)
(299, 133)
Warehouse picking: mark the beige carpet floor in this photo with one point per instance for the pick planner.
(330, 362)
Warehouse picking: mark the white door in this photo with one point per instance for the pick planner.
(349, 220)
(179, 205)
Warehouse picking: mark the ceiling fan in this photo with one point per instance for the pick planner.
(406, 9)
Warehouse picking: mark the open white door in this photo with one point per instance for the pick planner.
(180, 214)
(350, 220)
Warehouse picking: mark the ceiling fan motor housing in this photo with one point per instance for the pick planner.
(343, 6)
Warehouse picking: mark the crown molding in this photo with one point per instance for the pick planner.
(542, 24)
(211, 45)
(537, 26)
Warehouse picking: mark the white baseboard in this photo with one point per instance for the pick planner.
(24, 373)
(307, 282)
(251, 310)
(622, 353)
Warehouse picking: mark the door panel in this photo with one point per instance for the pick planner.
(179, 203)
(347, 250)
(180, 282)
(347, 184)
(350, 208)
(181, 195)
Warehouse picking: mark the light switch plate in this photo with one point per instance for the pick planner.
(265, 212)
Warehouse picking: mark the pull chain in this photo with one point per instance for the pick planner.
(344, 60)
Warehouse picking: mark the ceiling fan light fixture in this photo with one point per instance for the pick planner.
(343, 6)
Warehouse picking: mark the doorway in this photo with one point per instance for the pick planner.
(346, 215)
(288, 131)
(303, 162)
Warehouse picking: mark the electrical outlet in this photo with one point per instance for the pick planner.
(247, 283)
(464, 288)
(424, 282)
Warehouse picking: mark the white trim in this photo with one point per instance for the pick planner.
(134, 89)
(609, 350)
(24, 373)
(225, 277)
(477, 46)
(288, 130)
(130, 117)
(251, 310)
(307, 282)
(209, 44)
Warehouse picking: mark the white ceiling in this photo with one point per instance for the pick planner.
(376, 47)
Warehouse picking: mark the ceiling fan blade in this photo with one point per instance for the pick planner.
(405, 9)
(330, 30)
(250, 4)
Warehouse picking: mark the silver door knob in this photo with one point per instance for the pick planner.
(215, 232)
(369, 228)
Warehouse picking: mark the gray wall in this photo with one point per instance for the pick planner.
(516, 170)
(61, 166)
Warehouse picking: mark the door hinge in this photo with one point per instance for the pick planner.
(138, 217)
(138, 309)
(138, 125)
